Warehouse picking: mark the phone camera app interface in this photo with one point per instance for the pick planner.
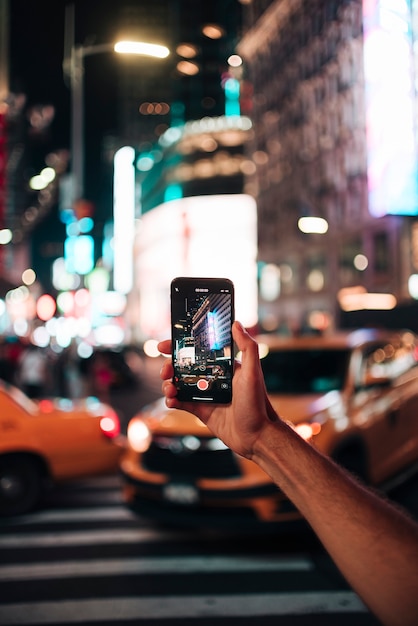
(202, 344)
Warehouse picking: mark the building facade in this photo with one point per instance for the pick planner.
(307, 62)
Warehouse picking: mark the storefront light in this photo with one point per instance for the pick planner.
(20, 327)
(313, 225)
(360, 262)
(41, 337)
(270, 282)
(28, 276)
(98, 280)
(46, 307)
(6, 236)
(413, 286)
(65, 302)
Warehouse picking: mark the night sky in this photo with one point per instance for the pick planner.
(37, 49)
(37, 52)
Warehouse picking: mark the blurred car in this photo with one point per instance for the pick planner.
(115, 369)
(352, 395)
(47, 441)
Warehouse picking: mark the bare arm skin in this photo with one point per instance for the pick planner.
(372, 542)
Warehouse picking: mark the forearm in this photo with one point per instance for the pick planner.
(374, 545)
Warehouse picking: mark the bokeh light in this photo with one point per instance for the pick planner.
(45, 307)
(29, 276)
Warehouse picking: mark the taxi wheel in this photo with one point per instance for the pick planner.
(20, 485)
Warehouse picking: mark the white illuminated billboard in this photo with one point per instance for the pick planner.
(390, 107)
(123, 218)
(204, 236)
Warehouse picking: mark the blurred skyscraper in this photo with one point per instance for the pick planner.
(335, 150)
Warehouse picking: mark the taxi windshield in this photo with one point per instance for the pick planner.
(20, 398)
(305, 370)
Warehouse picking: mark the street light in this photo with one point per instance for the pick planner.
(141, 47)
(74, 69)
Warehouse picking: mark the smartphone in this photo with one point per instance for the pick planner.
(202, 312)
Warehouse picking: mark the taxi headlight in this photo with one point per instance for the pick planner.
(139, 435)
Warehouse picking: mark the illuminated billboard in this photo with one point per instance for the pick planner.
(390, 107)
(123, 218)
(204, 236)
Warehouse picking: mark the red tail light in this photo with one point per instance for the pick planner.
(46, 406)
(110, 425)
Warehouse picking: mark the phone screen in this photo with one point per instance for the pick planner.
(202, 312)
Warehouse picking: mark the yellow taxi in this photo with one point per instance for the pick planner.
(46, 442)
(353, 395)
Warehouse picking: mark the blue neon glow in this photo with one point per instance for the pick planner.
(79, 254)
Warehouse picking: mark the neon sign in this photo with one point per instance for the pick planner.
(389, 91)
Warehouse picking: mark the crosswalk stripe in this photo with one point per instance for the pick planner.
(149, 608)
(93, 537)
(116, 514)
(154, 565)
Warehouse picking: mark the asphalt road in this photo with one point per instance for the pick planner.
(83, 558)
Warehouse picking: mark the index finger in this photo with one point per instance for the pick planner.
(164, 347)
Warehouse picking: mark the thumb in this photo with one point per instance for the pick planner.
(245, 343)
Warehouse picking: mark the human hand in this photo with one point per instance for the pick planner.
(240, 423)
